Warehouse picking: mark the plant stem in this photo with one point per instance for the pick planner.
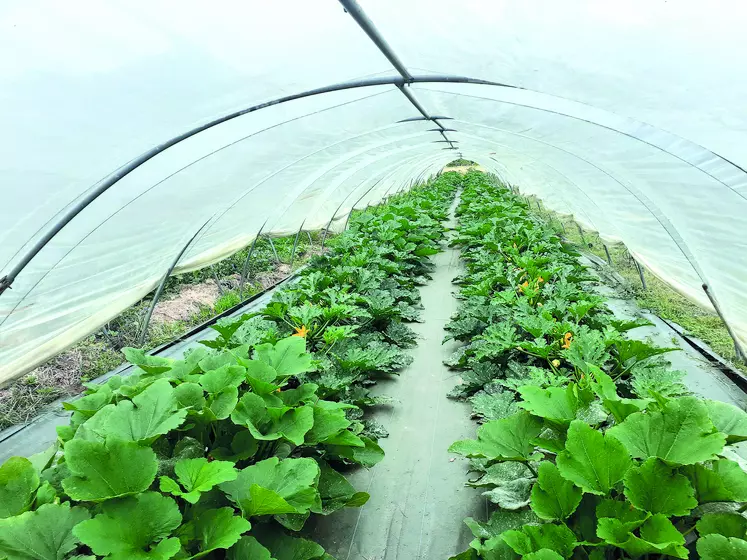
(690, 530)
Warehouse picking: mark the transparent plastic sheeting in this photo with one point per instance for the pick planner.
(619, 117)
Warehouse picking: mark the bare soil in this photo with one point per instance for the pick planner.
(187, 303)
(267, 279)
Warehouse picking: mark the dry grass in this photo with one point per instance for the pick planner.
(189, 301)
(61, 377)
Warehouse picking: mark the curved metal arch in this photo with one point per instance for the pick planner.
(110, 180)
(555, 170)
(407, 184)
(563, 198)
(386, 172)
(653, 209)
(570, 181)
(300, 192)
(220, 213)
(616, 130)
(384, 175)
(247, 192)
(226, 209)
(106, 183)
(432, 161)
(162, 284)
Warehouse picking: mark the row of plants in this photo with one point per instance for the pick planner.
(590, 445)
(227, 452)
(101, 352)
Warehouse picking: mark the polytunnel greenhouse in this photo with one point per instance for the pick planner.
(382, 280)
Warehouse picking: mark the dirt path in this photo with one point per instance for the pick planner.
(418, 497)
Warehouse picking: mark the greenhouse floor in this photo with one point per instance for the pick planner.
(418, 497)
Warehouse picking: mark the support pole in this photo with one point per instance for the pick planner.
(295, 244)
(356, 12)
(607, 252)
(159, 290)
(640, 274)
(347, 220)
(245, 268)
(360, 17)
(311, 243)
(217, 280)
(107, 336)
(738, 350)
(581, 232)
(329, 223)
(274, 252)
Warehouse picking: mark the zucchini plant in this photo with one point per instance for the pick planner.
(590, 445)
(227, 452)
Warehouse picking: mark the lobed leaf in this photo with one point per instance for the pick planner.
(18, 483)
(592, 460)
(134, 527)
(506, 439)
(553, 497)
(680, 434)
(657, 488)
(272, 487)
(197, 476)
(100, 471)
(44, 534)
(717, 547)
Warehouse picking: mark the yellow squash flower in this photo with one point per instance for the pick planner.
(302, 331)
(567, 340)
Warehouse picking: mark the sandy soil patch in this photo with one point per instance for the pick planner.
(189, 301)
